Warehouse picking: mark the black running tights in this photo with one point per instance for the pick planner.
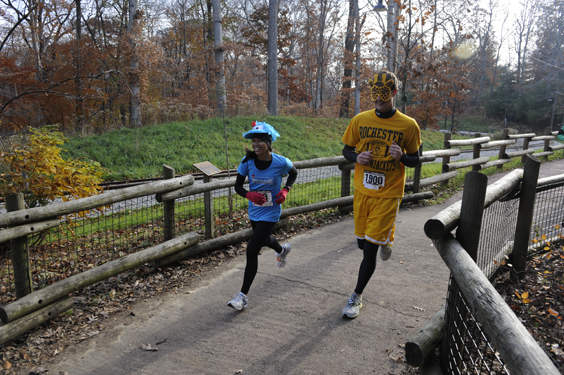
(368, 264)
(261, 237)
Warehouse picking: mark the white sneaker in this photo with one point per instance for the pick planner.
(281, 257)
(352, 308)
(239, 301)
(385, 252)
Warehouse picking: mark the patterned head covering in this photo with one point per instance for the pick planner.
(259, 129)
(384, 85)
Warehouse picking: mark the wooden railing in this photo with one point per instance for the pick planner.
(473, 304)
(20, 222)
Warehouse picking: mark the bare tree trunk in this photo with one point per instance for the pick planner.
(320, 54)
(272, 57)
(218, 46)
(485, 41)
(395, 53)
(77, 80)
(496, 61)
(347, 63)
(523, 29)
(135, 101)
(357, 59)
(207, 35)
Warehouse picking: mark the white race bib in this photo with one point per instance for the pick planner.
(373, 180)
(268, 196)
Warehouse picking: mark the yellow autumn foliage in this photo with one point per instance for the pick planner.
(34, 167)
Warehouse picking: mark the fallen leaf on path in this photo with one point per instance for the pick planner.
(149, 348)
(40, 370)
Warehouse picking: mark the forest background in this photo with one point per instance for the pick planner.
(92, 66)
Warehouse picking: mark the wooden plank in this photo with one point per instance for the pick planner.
(55, 292)
(541, 154)
(446, 220)
(498, 143)
(441, 153)
(421, 345)
(196, 189)
(543, 138)
(438, 178)
(24, 230)
(468, 142)
(463, 164)
(525, 135)
(495, 163)
(31, 215)
(513, 154)
(426, 159)
(550, 180)
(14, 329)
(320, 162)
(211, 245)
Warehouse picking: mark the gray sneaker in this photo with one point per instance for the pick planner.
(239, 301)
(281, 257)
(352, 308)
(385, 252)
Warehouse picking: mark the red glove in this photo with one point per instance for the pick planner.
(281, 196)
(256, 198)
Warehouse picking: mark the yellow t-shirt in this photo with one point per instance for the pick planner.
(383, 177)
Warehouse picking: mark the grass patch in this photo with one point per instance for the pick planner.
(141, 153)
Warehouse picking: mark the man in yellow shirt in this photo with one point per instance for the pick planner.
(381, 142)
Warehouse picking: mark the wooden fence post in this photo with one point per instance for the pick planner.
(168, 208)
(503, 148)
(208, 209)
(345, 187)
(208, 170)
(525, 214)
(20, 252)
(476, 155)
(471, 212)
(547, 131)
(468, 235)
(417, 173)
(526, 141)
(446, 159)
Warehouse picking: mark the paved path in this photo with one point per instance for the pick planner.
(293, 324)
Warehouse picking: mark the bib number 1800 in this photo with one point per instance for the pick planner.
(373, 180)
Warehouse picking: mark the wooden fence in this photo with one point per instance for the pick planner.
(31, 308)
(476, 323)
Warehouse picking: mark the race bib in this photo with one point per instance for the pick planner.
(373, 180)
(268, 196)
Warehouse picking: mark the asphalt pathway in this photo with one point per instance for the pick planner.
(293, 323)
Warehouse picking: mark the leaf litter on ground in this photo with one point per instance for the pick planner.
(537, 299)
